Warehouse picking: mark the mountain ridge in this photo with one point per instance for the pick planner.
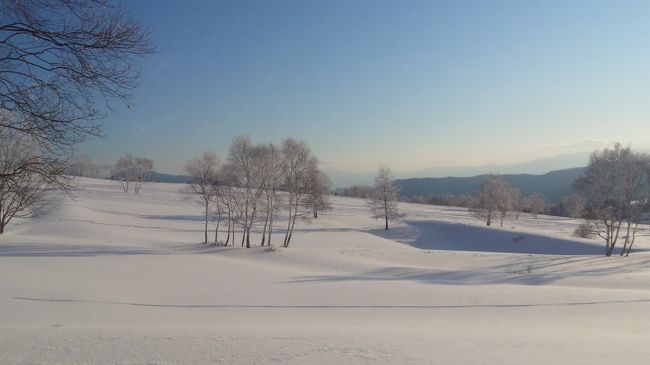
(553, 185)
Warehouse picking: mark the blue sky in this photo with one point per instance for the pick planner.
(409, 83)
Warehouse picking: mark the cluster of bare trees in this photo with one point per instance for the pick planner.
(82, 165)
(448, 200)
(57, 58)
(132, 170)
(496, 198)
(616, 191)
(254, 184)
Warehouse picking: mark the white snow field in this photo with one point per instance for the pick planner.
(111, 278)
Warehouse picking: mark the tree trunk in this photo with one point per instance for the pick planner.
(385, 208)
(286, 235)
(627, 236)
(229, 224)
(270, 227)
(206, 225)
(293, 224)
(216, 230)
(266, 223)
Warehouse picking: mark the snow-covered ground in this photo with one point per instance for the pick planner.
(116, 278)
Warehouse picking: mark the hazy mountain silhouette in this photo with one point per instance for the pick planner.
(537, 166)
(553, 185)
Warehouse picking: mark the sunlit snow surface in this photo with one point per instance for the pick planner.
(123, 279)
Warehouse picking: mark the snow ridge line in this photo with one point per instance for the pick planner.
(334, 306)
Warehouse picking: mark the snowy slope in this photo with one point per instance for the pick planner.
(116, 278)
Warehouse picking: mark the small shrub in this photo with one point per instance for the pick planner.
(584, 230)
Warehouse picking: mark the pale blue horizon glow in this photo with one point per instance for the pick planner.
(411, 84)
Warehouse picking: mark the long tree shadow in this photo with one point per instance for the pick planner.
(440, 235)
(71, 250)
(520, 273)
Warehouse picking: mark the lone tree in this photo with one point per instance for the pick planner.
(614, 187)
(204, 174)
(383, 203)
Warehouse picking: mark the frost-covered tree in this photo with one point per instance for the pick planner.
(383, 203)
(246, 165)
(23, 192)
(142, 169)
(227, 199)
(494, 196)
(272, 183)
(320, 187)
(572, 206)
(297, 162)
(517, 202)
(204, 181)
(83, 165)
(535, 204)
(123, 171)
(132, 169)
(614, 186)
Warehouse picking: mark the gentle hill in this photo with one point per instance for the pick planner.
(553, 185)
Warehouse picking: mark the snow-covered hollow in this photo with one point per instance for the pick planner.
(117, 278)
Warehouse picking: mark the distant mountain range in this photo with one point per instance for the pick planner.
(168, 178)
(537, 166)
(553, 185)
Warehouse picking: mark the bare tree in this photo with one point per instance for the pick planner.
(383, 203)
(535, 204)
(82, 165)
(132, 169)
(634, 193)
(273, 179)
(297, 162)
(217, 211)
(517, 202)
(572, 206)
(57, 58)
(494, 195)
(246, 163)
(613, 187)
(123, 171)
(227, 201)
(203, 171)
(142, 169)
(23, 193)
(320, 186)
(508, 202)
